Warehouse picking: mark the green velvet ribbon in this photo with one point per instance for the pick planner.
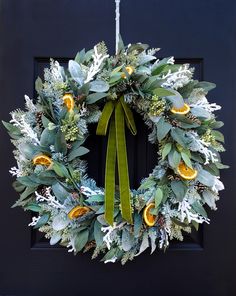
(117, 113)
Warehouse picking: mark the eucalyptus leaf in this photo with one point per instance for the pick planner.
(19, 187)
(158, 197)
(179, 189)
(47, 137)
(144, 244)
(166, 150)
(98, 234)
(60, 222)
(174, 158)
(99, 86)
(207, 86)
(206, 178)
(201, 113)
(186, 159)
(176, 99)
(42, 220)
(77, 153)
(13, 131)
(76, 72)
(162, 92)
(95, 199)
(27, 192)
(81, 240)
(26, 180)
(60, 143)
(114, 78)
(153, 236)
(33, 207)
(198, 208)
(137, 225)
(163, 128)
(218, 136)
(93, 98)
(60, 170)
(210, 199)
(56, 237)
(38, 85)
(127, 240)
(159, 66)
(179, 136)
(60, 192)
(144, 59)
(147, 183)
(110, 255)
(29, 150)
(45, 121)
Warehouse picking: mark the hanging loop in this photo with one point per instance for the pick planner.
(117, 23)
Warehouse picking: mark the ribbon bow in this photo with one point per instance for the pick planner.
(117, 112)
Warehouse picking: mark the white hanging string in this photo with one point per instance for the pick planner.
(117, 23)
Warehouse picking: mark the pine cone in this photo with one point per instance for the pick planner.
(193, 118)
(43, 190)
(39, 121)
(173, 177)
(121, 87)
(173, 122)
(89, 245)
(200, 187)
(161, 221)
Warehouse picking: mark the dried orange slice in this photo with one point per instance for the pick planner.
(186, 172)
(69, 101)
(149, 218)
(42, 159)
(78, 211)
(129, 69)
(182, 111)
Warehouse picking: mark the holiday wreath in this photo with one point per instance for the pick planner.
(50, 139)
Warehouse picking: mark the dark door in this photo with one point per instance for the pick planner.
(199, 32)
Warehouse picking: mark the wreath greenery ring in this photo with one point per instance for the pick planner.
(50, 136)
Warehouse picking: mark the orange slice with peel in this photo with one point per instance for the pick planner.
(186, 172)
(69, 101)
(182, 111)
(129, 69)
(78, 211)
(42, 159)
(149, 218)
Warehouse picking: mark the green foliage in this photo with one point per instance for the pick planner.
(42, 220)
(77, 153)
(60, 192)
(81, 238)
(179, 188)
(70, 204)
(166, 150)
(13, 131)
(158, 197)
(163, 129)
(93, 98)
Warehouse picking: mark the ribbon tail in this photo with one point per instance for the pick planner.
(122, 161)
(110, 173)
(104, 119)
(129, 118)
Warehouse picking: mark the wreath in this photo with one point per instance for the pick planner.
(50, 139)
